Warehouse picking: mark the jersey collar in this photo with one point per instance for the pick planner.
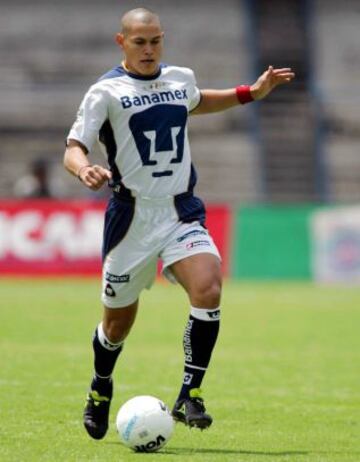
(142, 77)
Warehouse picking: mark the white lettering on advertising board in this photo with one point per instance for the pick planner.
(30, 235)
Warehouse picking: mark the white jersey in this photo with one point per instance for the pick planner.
(141, 124)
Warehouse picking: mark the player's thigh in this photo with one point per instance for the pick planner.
(192, 259)
(191, 256)
(128, 265)
(200, 273)
(187, 240)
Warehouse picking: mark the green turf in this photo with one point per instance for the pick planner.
(283, 385)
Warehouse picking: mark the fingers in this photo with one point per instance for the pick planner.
(284, 78)
(103, 172)
(270, 79)
(278, 76)
(285, 73)
(282, 70)
(95, 176)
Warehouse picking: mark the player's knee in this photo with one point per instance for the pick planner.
(207, 294)
(115, 330)
(117, 322)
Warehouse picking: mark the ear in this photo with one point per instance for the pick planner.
(119, 39)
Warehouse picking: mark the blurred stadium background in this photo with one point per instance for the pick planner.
(281, 180)
(281, 177)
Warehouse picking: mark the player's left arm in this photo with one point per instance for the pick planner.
(220, 100)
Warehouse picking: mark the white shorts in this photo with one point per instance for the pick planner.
(137, 235)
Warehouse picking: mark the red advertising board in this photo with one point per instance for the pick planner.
(49, 237)
(219, 224)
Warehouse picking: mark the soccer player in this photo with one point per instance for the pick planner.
(139, 111)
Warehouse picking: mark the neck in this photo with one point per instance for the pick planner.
(126, 67)
(123, 63)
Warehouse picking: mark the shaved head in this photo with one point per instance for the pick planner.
(141, 41)
(138, 15)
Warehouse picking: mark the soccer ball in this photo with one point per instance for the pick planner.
(144, 424)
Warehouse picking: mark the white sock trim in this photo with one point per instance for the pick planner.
(102, 377)
(105, 342)
(206, 314)
(196, 367)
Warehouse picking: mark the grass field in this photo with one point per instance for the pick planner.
(284, 383)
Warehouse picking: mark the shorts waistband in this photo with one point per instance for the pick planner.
(124, 195)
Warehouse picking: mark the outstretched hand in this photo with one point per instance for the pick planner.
(94, 176)
(270, 79)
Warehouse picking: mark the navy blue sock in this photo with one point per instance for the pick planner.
(199, 340)
(103, 386)
(105, 356)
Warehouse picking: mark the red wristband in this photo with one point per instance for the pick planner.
(243, 94)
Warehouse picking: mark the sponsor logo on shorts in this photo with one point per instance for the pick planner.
(194, 232)
(117, 279)
(191, 245)
(109, 291)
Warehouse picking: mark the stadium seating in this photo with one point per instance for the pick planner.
(50, 54)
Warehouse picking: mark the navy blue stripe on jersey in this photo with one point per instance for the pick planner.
(192, 179)
(107, 138)
(190, 208)
(118, 218)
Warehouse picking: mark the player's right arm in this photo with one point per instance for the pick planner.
(92, 114)
(77, 163)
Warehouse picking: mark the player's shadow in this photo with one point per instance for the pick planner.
(189, 451)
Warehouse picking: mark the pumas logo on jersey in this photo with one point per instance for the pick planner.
(117, 279)
(191, 245)
(153, 98)
(109, 291)
(194, 232)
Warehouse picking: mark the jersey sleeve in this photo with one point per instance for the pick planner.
(195, 94)
(91, 115)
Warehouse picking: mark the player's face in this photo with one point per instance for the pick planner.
(142, 46)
